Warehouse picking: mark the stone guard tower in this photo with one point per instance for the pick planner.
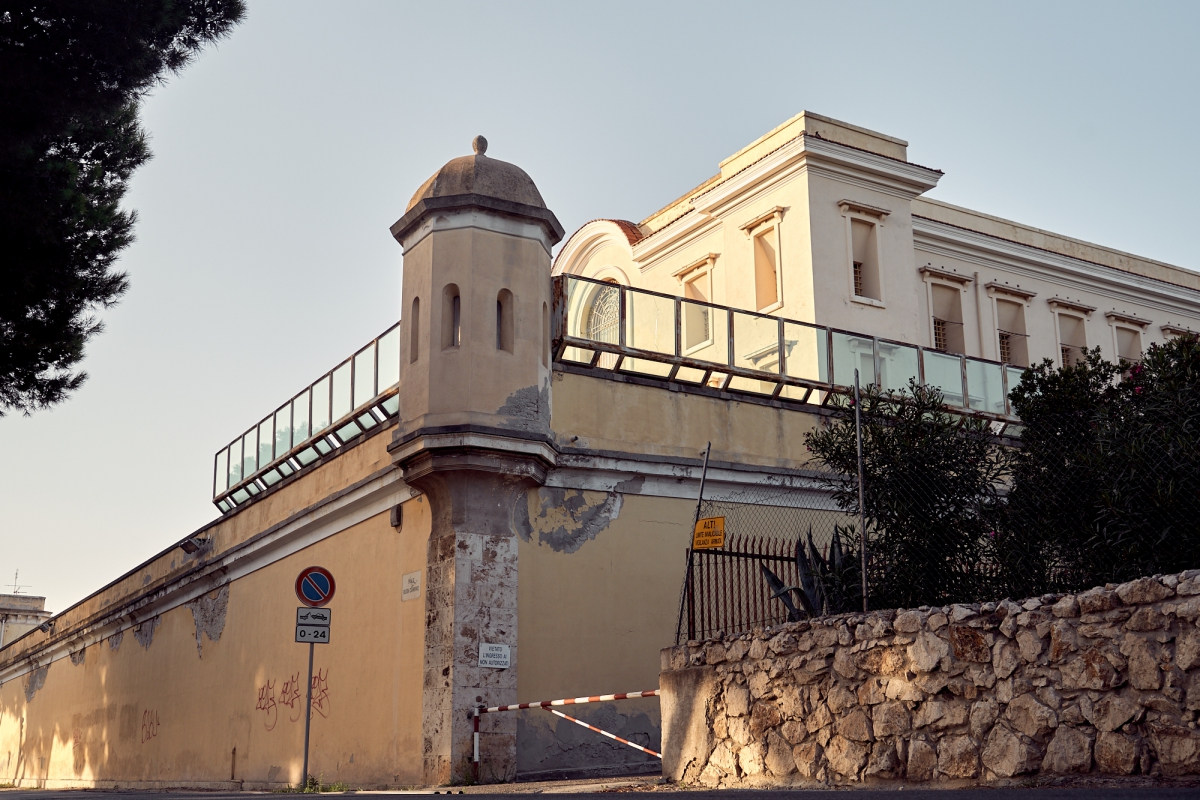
(474, 434)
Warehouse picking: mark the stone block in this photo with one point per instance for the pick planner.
(1031, 645)
(969, 644)
(808, 758)
(891, 719)
(855, 726)
(922, 760)
(1066, 607)
(884, 762)
(983, 717)
(1069, 751)
(1144, 661)
(1143, 590)
(1030, 717)
(1116, 753)
(958, 757)
(927, 652)
(737, 701)
(882, 660)
(1062, 641)
(765, 716)
(1007, 754)
(1099, 599)
(1146, 619)
(779, 761)
(750, 759)
(1187, 648)
(908, 622)
(1177, 748)
(1112, 711)
(1004, 658)
(845, 757)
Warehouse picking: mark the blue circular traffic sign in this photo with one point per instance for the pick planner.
(315, 586)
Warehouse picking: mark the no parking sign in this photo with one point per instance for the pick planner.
(315, 586)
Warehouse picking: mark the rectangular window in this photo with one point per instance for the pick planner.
(947, 319)
(1010, 324)
(766, 270)
(697, 319)
(865, 259)
(1072, 339)
(1129, 344)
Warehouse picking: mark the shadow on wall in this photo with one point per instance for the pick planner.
(552, 748)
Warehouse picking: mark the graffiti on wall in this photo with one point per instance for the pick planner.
(290, 696)
(149, 725)
(266, 704)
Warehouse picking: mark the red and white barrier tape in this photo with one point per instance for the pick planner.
(606, 733)
(570, 701)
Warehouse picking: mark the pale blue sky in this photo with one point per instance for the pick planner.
(281, 158)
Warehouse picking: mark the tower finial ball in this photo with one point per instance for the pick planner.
(479, 145)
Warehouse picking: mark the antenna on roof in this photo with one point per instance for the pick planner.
(16, 587)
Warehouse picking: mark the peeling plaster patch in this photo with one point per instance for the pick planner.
(527, 409)
(208, 611)
(114, 641)
(37, 679)
(144, 633)
(145, 579)
(273, 773)
(566, 518)
(78, 656)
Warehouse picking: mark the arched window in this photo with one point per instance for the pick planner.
(414, 331)
(504, 321)
(451, 317)
(604, 319)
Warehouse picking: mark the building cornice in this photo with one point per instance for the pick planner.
(941, 239)
(945, 275)
(996, 287)
(1070, 305)
(1129, 319)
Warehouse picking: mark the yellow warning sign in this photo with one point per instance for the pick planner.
(709, 534)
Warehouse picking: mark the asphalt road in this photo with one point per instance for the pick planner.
(589, 791)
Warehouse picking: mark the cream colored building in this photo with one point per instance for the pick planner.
(517, 463)
(20, 613)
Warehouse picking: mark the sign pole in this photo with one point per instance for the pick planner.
(307, 713)
(862, 511)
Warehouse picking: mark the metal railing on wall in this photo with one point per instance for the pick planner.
(610, 326)
(344, 403)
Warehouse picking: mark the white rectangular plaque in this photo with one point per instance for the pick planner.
(410, 586)
(496, 656)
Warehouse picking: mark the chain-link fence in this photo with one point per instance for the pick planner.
(952, 514)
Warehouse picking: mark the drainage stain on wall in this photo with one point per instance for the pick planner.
(35, 681)
(78, 656)
(565, 519)
(144, 633)
(208, 612)
(114, 641)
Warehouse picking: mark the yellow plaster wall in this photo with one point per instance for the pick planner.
(317, 483)
(656, 422)
(172, 712)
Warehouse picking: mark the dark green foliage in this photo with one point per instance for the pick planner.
(72, 75)
(931, 494)
(1107, 484)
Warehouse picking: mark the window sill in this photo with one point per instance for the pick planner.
(770, 308)
(867, 301)
(696, 348)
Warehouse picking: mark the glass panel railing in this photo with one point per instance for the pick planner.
(756, 342)
(1014, 379)
(283, 430)
(388, 362)
(852, 351)
(649, 322)
(985, 386)
(364, 376)
(806, 352)
(898, 364)
(266, 440)
(221, 473)
(705, 334)
(284, 441)
(250, 452)
(944, 371)
(320, 405)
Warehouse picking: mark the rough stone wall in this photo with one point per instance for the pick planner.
(1106, 681)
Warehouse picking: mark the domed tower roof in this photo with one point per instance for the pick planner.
(481, 182)
(480, 175)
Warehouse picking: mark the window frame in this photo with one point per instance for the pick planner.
(1128, 322)
(1060, 306)
(697, 271)
(1012, 294)
(933, 276)
(758, 227)
(874, 217)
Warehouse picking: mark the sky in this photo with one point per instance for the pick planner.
(282, 155)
